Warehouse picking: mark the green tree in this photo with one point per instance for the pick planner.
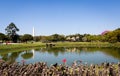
(84, 39)
(57, 37)
(111, 37)
(79, 37)
(37, 38)
(26, 37)
(117, 32)
(11, 30)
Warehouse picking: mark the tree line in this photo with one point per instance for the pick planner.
(106, 36)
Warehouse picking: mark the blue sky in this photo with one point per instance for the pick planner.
(60, 16)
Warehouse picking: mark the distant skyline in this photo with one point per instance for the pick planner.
(60, 16)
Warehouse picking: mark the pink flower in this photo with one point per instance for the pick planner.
(23, 61)
(64, 60)
(103, 33)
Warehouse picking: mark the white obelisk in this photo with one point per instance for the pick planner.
(33, 32)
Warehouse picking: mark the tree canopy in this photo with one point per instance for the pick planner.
(105, 36)
(26, 37)
(11, 30)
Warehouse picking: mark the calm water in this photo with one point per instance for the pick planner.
(53, 55)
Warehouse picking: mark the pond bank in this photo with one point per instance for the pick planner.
(60, 44)
(41, 69)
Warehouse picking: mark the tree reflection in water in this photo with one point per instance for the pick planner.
(10, 57)
(29, 54)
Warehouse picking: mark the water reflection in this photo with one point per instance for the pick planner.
(27, 55)
(11, 57)
(52, 55)
(33, 51)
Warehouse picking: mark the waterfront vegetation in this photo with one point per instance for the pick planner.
(42, 69)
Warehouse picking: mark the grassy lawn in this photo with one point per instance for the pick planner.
(21, 46)
(87, 44)
(59, 44)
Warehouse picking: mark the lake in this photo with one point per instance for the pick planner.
(56, 55)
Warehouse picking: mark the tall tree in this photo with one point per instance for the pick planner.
(11, 30)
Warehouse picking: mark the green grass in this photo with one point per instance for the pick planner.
(21, 46)
(87, 44)
(59, 44)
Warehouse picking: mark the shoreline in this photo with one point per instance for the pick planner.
(60, 44)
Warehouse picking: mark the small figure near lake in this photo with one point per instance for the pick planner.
(50, 45)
